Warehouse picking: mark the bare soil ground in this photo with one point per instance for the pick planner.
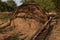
(55, 34)
(23, 28)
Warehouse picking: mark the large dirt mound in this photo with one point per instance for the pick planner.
(25, 22)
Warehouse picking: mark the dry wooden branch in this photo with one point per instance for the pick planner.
(39, 31)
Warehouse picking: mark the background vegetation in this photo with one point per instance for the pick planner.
(47, 5)
(7, 6)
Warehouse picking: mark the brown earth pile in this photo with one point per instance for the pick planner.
(25, 22)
